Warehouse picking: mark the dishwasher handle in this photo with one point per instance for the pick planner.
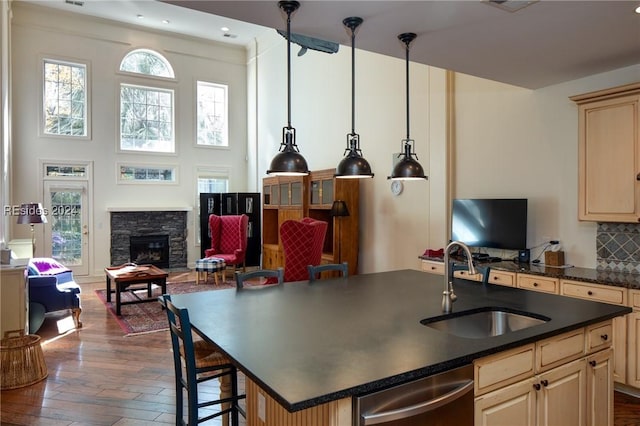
(416, 409)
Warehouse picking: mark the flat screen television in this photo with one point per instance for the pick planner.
(491, 223)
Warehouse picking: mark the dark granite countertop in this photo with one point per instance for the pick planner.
(307, 344)
(596, 276)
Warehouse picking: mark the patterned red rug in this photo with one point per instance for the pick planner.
(142, 318)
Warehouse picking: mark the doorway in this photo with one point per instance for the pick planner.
(66, 200)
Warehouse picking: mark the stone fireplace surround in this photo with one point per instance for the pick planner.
(127, 222)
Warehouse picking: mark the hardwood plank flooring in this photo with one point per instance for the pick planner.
(99, 377)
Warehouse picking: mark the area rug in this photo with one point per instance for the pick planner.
(143, 318)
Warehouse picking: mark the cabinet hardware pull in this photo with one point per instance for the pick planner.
(535, 284)
(590, 293)
(604, 337)
(638, 176)
(592, 363)
(545, 383)
(536, 386)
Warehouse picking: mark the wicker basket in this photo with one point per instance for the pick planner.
(21, 360)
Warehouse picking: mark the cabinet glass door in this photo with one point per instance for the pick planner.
(315, 192)
(284, 194)
(296, 193)
(327, 191)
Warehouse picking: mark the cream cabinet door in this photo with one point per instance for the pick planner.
(600, 389)
(562, 398)
(609, 156)
(509, 406)
(633, 343)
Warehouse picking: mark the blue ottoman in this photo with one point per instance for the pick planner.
(209, 265)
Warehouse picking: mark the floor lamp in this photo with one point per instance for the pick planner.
(339, 210)
(32, 213)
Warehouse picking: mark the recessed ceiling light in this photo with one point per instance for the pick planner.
(638, 9)
(166, 21)
(224, 29)
(140, 16)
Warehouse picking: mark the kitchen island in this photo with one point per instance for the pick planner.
(313, 345)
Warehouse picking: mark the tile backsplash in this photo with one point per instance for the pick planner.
(618, 247)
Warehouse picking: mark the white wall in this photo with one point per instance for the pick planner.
(514, 142)
(393, 230)
(40, 32)
(509, 141)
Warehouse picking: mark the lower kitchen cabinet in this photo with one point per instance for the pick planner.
(510, 390)
(606, 294)
(575, 394)
(633, 340)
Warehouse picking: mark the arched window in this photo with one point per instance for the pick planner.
(148, 62)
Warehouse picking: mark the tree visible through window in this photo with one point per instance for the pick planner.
(65, 98)
(146, 119)
(212, 114)
(148, 62)
(146, 112)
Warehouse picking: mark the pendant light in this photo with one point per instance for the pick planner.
(288, 161)
(407, 168)
(353, 165)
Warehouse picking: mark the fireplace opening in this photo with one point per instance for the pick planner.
(150, 249)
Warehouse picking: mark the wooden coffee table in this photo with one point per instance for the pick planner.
(126, 277)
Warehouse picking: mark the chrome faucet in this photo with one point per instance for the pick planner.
(448, 296)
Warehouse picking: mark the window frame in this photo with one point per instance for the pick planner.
(226, 87)
(142, 85)
(150, 76)
(43, 60)
(148, 166)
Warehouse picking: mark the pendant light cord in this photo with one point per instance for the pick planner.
(353, 81)
(407, 91)
(288, 69)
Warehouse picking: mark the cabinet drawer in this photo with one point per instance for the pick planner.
(559, 349)
(433, 267)
(538, 283)
(502, 278)
(495, 371)
(466, 276)
(595, 292)
(599, 336)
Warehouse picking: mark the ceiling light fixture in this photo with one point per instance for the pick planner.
(166, 21)
(353, 165)
(407, 168)
(288, 161)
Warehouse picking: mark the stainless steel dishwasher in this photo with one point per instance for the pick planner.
(444, 399)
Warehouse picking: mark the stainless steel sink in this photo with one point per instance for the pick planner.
(483, 323)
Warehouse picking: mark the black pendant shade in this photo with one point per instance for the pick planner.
(408, 167)
(353, 165)
(288, 161)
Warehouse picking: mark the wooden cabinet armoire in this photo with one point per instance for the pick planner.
(295, 197)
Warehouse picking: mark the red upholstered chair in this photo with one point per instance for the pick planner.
(228, 239)
(302, 241)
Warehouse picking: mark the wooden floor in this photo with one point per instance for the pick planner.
(98, 377)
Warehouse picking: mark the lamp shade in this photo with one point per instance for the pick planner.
(353, 165)
(408, 168)
(339, 209)
(31, 213)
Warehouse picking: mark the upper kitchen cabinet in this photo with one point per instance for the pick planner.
(609, 154)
